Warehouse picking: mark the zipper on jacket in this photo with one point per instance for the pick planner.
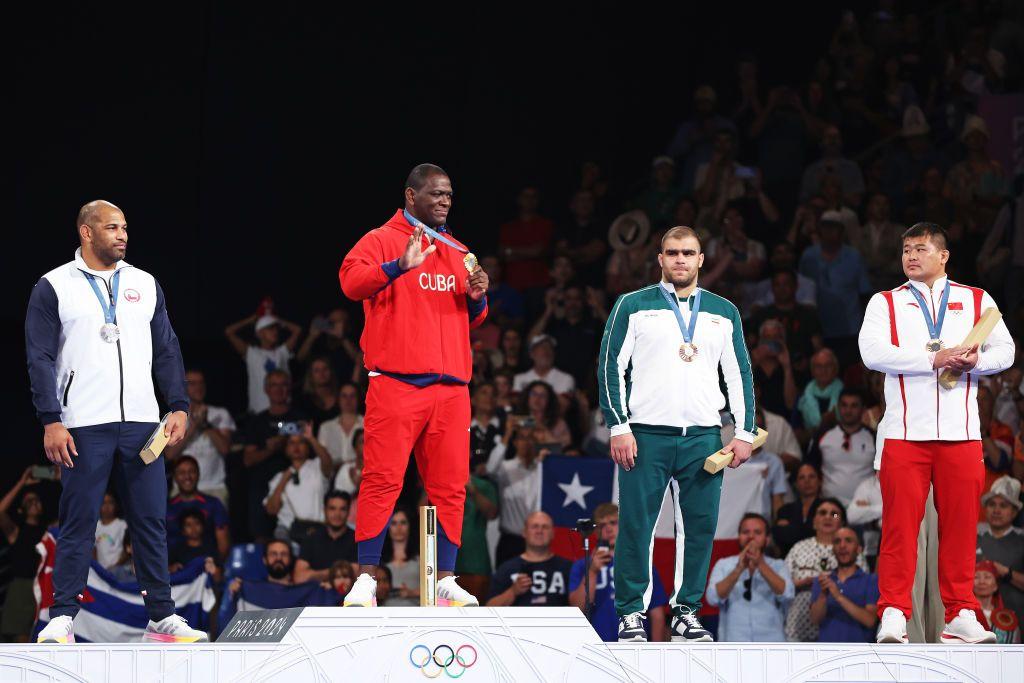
(67, 387)
(120, 361)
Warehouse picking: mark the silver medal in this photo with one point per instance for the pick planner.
(110, 333)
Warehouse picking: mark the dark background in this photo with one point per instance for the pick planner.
(250, 147)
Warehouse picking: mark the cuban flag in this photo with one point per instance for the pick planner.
(570, 489)
(114, 611)
(256, 595)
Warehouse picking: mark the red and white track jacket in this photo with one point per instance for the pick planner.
(892, 340)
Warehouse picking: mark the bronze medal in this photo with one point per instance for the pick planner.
(934, 345)
(688, 352)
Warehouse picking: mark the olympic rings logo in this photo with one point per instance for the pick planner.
(443, 657)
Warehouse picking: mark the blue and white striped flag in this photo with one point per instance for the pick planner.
(114, 612)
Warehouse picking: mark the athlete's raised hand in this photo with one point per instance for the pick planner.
(415, 254)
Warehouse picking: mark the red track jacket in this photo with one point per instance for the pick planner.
(417, 321)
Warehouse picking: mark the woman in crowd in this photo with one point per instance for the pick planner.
(513, 356)
(351, 473)
(504, 394)
(296, 494)
(994, 617)
(319, 398)
(810, 558)
(539, 404)
(795, 520)
(401, 556)
(336, 435)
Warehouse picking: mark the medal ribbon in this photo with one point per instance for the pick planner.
(934, 328)
(433, 233)
(686, 328)
(109, 308)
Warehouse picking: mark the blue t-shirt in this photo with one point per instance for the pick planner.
(838, 626)
(604, 619)
(212, 509)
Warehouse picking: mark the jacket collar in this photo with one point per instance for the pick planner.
(80, 264)
(399, 222)
(670, 288)
(923, 288)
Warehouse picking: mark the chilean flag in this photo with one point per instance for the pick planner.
(570, 489)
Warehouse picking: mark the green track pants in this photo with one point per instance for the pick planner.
(667, 459)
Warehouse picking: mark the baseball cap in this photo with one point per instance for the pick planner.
(1006, 487)
(265, 321)
(541, 338)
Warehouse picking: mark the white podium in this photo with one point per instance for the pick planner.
(509, 644)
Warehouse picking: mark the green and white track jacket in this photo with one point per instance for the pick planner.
(643, 380)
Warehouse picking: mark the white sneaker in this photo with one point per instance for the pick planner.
(893, 628)
(363, 592)
(965, 628)
(59, 630)
(173, 629)
(451, 594)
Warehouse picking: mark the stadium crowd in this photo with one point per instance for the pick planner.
(800, 193)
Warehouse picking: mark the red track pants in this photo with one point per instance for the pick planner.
(956, 471)
(433, 423)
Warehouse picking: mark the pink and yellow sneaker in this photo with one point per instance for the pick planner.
(173, 629)
(451, 594)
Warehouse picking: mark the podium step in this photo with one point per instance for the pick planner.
(507, 644)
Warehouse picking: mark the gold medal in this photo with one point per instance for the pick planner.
(469, 260)
(688, 352)
(934, 345)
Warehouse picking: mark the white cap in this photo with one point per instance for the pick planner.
(540, 339)
(265, 321)
(914, 122)
(831, 216)
(1006, 487)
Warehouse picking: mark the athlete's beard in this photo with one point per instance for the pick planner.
(684, 281)
(108, 255)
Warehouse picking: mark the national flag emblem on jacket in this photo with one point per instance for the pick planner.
(113, 611)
